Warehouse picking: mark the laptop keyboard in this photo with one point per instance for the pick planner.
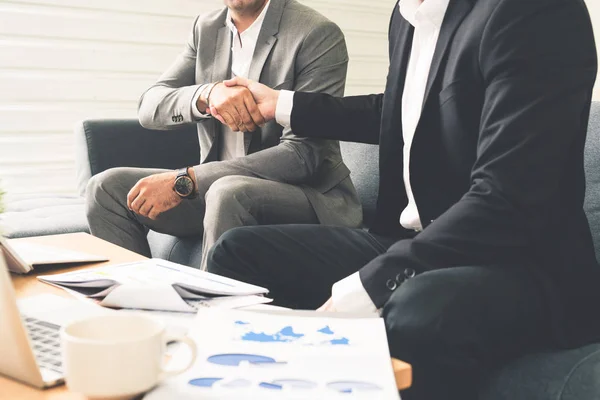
(46, 343)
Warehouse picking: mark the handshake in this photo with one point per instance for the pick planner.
(241, 104)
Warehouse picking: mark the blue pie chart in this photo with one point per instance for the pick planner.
(291, 383)
(267, 385)
(204, 382)
(353, 386)
(210, 382)
(236, 359)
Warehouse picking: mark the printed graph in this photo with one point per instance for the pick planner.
(324, 336)
(236, 360)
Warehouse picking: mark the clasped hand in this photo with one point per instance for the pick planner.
(242, 104)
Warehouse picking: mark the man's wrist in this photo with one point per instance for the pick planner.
(208, 92)
(185, 185)
(192, 174)
(202, 103)
(198, 108)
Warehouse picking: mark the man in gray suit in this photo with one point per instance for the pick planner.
(259, 174)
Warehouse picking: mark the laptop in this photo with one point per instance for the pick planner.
(29, 334)
(23, 256)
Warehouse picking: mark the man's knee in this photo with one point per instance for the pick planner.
(229, 190)
(430, 312)
(229, 248)
(105, 188)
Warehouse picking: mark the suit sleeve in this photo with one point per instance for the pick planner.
(321, 66)
(168, 103)
(348, 119)
(538, 61)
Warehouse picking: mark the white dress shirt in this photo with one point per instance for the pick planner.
(426, 16)
(242, 51)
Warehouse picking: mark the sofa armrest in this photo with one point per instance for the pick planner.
(104, 144)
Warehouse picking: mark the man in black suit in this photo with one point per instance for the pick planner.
(480, 251)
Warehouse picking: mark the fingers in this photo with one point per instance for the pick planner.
(236, 107)
(230, 120)
(137, 204)
(231, 82)
(236, 118)
(237, 81)
(219, 117)
(133, 193)
(328, 306)
(154, 213)
(252, 108)
(145, 209)
(248, 116)
(246, 119)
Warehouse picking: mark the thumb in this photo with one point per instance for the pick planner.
(237, 81)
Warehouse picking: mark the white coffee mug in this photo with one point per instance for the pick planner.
(117, 356)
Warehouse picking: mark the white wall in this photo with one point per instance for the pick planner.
(66, 60)
(594, 7)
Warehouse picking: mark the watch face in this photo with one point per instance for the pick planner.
(184, 186)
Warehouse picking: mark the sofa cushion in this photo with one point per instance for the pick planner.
(563, 375)
(186, 251)
(363, 162)
(592, 171)
(109, 143)
(44, 215)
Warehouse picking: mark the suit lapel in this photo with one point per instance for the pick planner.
(402, 38)
(266, 38)
(221, 70)
(457, 11)
(222, 61)
(264, 44)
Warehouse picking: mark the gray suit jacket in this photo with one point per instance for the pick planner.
(297, 49)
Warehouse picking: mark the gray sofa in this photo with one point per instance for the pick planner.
(561, 375)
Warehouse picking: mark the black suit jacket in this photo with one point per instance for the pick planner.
(497, 158)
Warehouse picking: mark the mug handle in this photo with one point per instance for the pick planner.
(192, 346)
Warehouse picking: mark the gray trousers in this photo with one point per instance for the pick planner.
(229, 202)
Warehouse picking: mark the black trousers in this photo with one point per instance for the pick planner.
(455, 325)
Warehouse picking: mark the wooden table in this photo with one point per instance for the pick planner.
(28, 285)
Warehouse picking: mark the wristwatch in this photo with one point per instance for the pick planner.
(184, 185)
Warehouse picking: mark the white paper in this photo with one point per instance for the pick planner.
(252, 355)
(148, 297)
(155, 270)
(230, 302)
(177, 323)
(158, 285)
(39, 254)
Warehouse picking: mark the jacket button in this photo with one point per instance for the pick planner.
(392, 285)
(399, 279)
(409, 273)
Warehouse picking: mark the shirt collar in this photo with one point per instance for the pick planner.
(418, 11)
(256, 25)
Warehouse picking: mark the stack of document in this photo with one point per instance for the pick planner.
(255, 355)
(157, 284)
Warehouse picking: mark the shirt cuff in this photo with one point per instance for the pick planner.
(283, 110)
(349, 295)
(195, 112)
